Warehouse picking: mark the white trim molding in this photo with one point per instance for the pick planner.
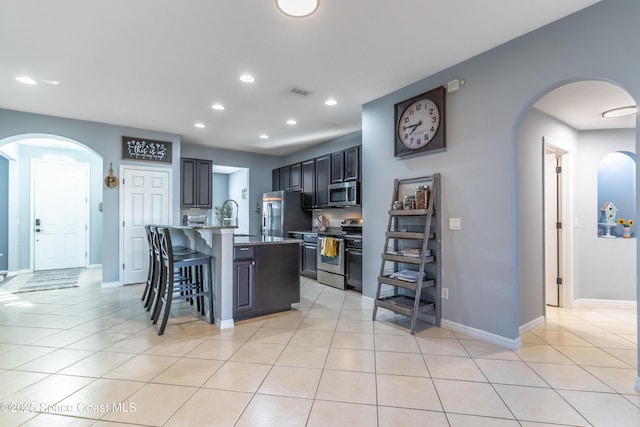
(511, 344)
(605, 303)
(110, 285)
(532, 325)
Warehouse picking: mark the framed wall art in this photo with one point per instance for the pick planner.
(146, 149)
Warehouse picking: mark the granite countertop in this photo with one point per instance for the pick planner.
(304, 231)
(263, 240)
(201, 227)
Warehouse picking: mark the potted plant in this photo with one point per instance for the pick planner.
(626, 227)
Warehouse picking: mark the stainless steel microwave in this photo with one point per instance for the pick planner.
(344, 194)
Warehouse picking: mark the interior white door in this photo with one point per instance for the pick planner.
(146, 200)
(551, 218)
(60, 215)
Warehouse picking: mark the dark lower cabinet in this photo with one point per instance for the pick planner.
(267, 283)
(353, 263)
(244, 286)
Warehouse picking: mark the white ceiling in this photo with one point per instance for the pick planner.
(581, 104)
(160, 64)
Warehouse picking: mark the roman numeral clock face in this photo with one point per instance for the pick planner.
(419, 123)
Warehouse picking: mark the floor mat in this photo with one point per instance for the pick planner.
(51, 279)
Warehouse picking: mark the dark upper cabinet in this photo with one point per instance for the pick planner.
(337, 167)
(195, 183)
(345, 165)
(295, 177)
(323, 176)
(309, 184)
(352, 164)
(284, 178)
(275, 180)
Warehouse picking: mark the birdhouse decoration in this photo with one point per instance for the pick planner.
(608, 213)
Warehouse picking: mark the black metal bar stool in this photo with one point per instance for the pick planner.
(186, 276)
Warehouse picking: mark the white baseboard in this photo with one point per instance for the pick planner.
(110, 284)
(605, 303)
(25, 271)
(511, 344)
(368, 300)
(532, 325)
(224, 324)
(94, 266)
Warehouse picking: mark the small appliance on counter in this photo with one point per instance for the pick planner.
(196, 220)
(323, 223)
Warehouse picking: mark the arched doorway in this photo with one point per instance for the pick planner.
(22, 152)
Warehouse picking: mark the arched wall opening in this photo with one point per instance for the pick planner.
(20, 151)
(594, 274)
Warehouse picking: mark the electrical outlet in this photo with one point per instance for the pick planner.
(445, 293)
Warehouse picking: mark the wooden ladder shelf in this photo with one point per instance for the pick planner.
(410, 271)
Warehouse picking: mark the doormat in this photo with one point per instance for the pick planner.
(51, 279)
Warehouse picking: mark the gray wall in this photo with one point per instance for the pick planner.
(481, 266)
(530, 220)
(4, 213)
(105, 141)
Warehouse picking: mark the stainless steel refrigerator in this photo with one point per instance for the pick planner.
(282, 212)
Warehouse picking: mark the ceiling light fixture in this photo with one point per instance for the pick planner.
(218, 106)
(26, 80)
(620, 112)
(200, 125)
(264, 136)
(291, 122)
(331, 102)
(297, 8)
(247, 78)
(52, 82)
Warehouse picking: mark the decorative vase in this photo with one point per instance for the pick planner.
(626, 232)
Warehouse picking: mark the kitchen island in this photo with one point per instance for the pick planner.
(266, 286)
(266, 275)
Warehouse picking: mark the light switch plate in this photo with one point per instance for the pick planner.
(455, 224)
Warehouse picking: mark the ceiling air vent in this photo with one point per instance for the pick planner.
(301, 92)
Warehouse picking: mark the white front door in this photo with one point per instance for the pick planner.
(60, 214)
(146, 199)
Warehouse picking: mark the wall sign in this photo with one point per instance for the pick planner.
(146, 149)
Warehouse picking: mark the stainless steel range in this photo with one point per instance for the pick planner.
(331, 265)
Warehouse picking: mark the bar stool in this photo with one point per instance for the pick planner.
(153, 267)
(180, 277)
(155, 258)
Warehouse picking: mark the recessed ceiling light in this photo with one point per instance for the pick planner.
(200, 125)
(247, 78)
(217, 106)
(331, 102)
(620, 112)
(52, 82)
(26, 80)
(291, 122)
(264, 136)
(297, 8)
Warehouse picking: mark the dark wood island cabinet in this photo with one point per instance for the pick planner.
(265, 275)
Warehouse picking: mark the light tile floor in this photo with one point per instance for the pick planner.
(89, 356)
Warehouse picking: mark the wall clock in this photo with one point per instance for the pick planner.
(420, 123)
